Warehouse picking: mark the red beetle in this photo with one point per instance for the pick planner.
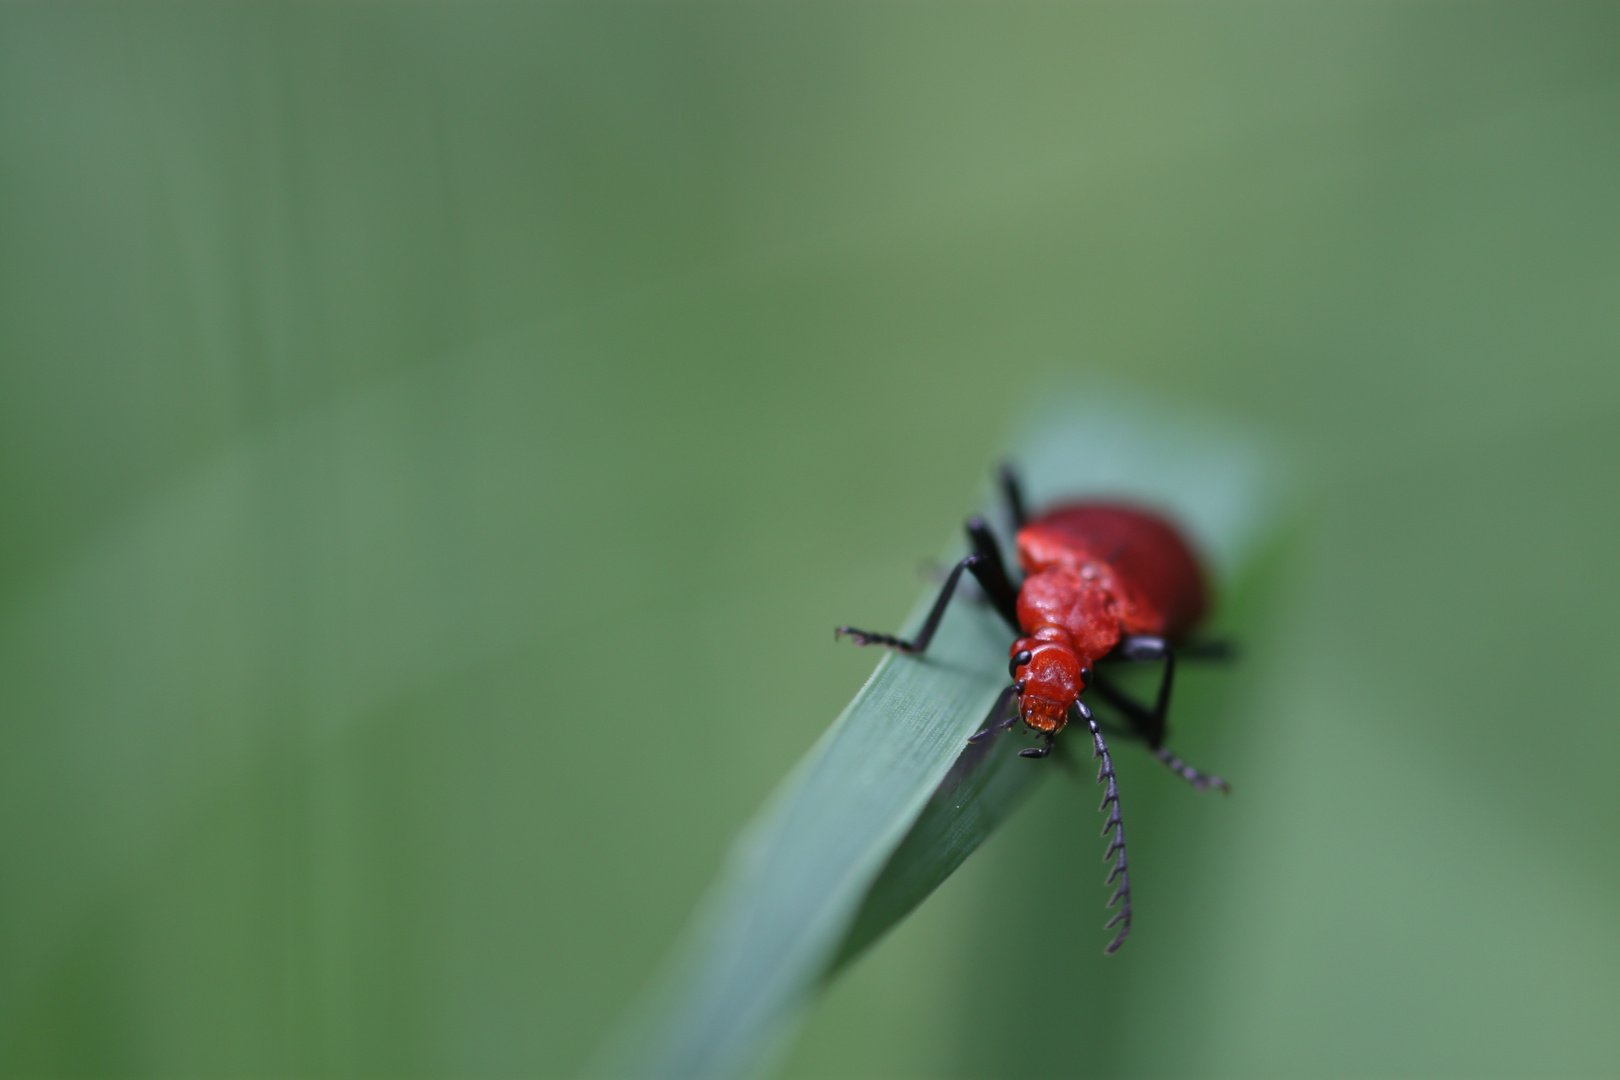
(1104, 583)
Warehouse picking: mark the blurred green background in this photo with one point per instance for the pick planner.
(436, 441)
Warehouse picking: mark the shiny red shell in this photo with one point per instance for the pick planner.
(1095, 573)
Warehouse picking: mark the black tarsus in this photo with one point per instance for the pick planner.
(1039, 751)
(1013, 491)
(1199, 780)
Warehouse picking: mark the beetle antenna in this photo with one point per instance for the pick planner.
(1116, 846)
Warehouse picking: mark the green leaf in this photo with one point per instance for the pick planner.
(891, 800)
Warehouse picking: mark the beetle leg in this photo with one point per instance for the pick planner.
(992, 572)
(1142, 648)
(1013, 491)
(987, 567)
(1039, 751)
(1149, 726)
(1199, 780)
(917, 644)
(1218, 650)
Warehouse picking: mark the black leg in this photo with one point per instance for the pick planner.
(1116, 846)
(987, 567)
(1013, 492)
(1218, 650)
(1137, 713)
(1198, 780)
(1141, 648)
(917, 644)
(1148, 724)
(992, 572)
(1039, 751)
(1161, 701)
(998, 720)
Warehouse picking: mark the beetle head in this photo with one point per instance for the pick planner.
(1048, 684)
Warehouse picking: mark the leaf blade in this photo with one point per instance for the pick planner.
(890, 801)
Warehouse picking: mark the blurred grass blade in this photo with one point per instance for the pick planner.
(891, 800)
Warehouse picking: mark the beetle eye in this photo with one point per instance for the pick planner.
(1023, 657)
(1085, 676)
